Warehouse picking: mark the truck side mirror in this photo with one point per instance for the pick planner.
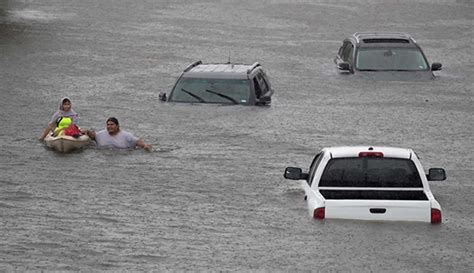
(295, 173)
(436, 174)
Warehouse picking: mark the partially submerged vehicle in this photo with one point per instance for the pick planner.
(369, 183)
(384, 54)
(226, 83)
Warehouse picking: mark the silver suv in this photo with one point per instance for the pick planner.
(383, 52)
(226, 83)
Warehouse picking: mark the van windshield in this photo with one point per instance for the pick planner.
(222, 91)
(370, 172)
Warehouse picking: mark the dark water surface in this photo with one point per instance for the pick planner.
(212, 195)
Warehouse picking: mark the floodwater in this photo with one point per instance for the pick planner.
(211, 196)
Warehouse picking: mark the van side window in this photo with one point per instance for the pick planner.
(347, 51)
(339, 52)
(263, 83)
(258, 90)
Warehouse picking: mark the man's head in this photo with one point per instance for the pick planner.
(112, 126)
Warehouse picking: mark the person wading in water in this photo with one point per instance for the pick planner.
(114, 138)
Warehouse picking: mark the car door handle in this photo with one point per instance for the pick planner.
(377, 210)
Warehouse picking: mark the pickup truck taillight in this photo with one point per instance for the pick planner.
(318, 213)
(435, 216)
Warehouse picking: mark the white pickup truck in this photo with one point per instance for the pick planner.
(369, 183)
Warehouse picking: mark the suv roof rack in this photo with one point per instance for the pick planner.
(252, 67)
(235, 70)
(192, 65)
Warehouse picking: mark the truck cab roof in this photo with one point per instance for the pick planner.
(354, 151)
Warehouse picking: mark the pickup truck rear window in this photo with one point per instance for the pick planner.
(370, 172)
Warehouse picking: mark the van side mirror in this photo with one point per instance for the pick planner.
(436, 174)
(162, 96)
(264, 100)
(436, 66)
(344, 66)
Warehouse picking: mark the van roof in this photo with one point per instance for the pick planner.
(219, 70)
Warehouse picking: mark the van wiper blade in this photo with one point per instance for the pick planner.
(369, 70)
(193, 95)
(222, 95)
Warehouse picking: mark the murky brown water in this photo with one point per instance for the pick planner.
(212, 195)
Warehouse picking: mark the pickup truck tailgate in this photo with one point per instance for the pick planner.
(391, 210)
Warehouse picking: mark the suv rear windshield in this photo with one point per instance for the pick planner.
(370, 172)
(225, 91)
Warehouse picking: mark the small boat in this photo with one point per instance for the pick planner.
(65, 144)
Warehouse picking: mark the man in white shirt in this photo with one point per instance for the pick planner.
(114, 138)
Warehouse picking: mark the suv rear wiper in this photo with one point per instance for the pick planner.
(369, 70)
(222, 95)
(193, 95)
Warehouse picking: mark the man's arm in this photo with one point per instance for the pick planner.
(91, 134)
(142, 144)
